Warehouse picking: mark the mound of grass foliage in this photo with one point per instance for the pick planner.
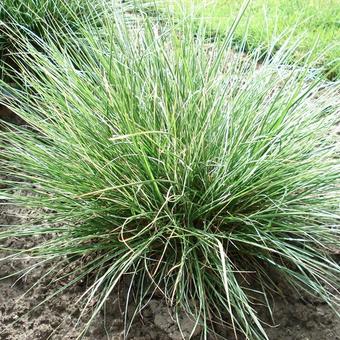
(316, 22)
(42, 17)
(192, 170)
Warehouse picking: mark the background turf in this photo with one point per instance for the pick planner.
(315, 21)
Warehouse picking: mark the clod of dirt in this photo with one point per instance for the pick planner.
(166, 320)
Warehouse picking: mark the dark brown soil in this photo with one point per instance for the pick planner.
(8, 116)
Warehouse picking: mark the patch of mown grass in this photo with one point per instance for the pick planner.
(152, 155)
(315, 22)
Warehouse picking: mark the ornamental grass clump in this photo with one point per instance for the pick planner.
(196, 172)
(42, 18)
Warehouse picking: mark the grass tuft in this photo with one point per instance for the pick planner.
(42, 18)
(194, 170)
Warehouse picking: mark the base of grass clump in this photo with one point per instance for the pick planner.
(296, 314)
(198, 176)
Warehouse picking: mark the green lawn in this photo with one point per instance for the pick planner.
(314, 20)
